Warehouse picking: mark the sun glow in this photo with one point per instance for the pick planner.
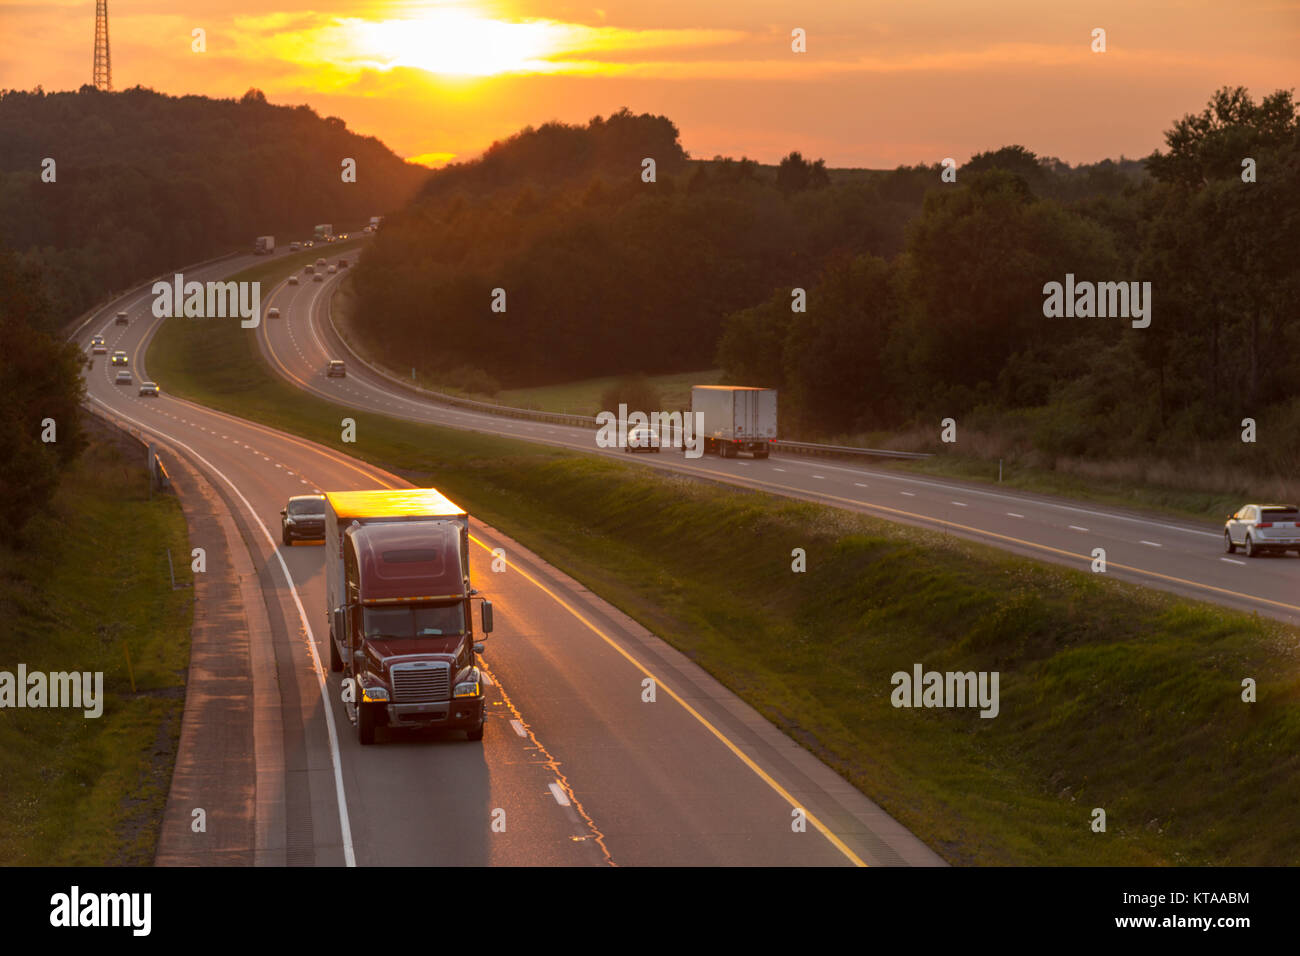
(454, 42)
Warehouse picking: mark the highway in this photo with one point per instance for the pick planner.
(581, 770)
(1172, 554)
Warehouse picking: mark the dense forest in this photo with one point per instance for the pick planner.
(145, 182)
(924, 293)
(604, 272)
(955, 325)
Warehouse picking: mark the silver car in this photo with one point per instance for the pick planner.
(1259, 528)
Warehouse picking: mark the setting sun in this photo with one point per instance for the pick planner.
(453, 42)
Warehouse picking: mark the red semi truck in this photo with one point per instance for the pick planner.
(401, 629)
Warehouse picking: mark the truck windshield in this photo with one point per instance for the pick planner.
(423, 620)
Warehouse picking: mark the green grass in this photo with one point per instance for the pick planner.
(1112, 696)
(73, 790)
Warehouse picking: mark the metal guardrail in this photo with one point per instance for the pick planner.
(109, 304)
(586, 421)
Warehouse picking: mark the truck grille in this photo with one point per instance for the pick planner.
(420, 682)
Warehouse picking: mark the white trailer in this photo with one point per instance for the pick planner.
(264, 245)
(736, 418)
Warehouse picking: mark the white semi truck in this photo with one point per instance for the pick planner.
(736, 418)
(264, 245)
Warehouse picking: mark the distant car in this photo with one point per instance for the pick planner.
(295, 246)
(302, 517)
(370, 229)
(293, 280)
(343, 236)
(642, 438)
(119, 358)
(320, 262)
(309, 268)
(97, 346)
(343, 263)
(122, 319)
(123, 378)
(318, 277)
(148, 388)
(272, 313)
(332, 269)
(335, 369)
(308, 244)
(1257, 529)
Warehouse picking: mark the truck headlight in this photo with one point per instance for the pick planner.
(469, 687)
(374, 694)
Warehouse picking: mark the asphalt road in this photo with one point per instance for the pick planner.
(579, 767)
(1172, 554)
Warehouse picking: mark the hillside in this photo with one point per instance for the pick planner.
(145, 182)
(605, 273)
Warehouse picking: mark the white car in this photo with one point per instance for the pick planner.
(123, 378)
(642, 438)
(149, 389)
(1260, 528)
(293, 280)
(332, 269)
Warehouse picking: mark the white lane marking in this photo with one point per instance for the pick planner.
(910, 494)
(345, 828)
(1232, 561)
(1153, 544)
(1075, 527)
(778, 469)
(859, 484)
(519, 728)
(1020, 499)
(1012, 514)
(559, 795)
(959, 504)
(821, 477)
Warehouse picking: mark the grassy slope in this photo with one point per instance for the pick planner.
(78, 791)
(1112, 696)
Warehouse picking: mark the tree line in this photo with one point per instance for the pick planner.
(144, 182)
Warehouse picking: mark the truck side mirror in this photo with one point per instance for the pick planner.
(478, 648)
(340, 630)
(486, 612)
(283, 512)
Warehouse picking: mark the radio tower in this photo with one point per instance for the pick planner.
(103, 65)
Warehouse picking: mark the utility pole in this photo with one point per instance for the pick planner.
(103, 64)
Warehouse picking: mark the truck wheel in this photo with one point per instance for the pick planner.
(336, 662)
(284, 536)
(365, 724)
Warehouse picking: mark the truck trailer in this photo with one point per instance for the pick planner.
(324, 232)
(263, 245)
(399, 598)
(735, 418)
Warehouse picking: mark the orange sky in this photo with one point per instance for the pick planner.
(881, 83)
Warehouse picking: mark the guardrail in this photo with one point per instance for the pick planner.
(80, 322)
(586, 421)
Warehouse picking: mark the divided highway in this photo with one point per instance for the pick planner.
(578, 768)
(1167, 553)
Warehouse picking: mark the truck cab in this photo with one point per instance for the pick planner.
(403, 632)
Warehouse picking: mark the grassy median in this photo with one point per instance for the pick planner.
(1112, 696)
(91, 588)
